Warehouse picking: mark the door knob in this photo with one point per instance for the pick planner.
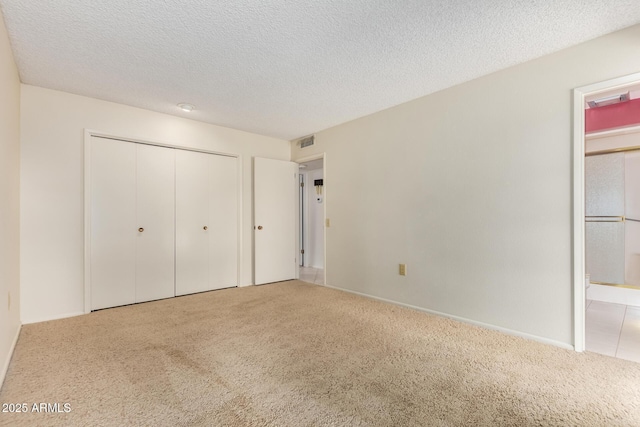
(141, 229)
(205, 228)
(259, 227)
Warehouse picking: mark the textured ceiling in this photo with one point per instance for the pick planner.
(286, 68)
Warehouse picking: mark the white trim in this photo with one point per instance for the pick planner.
(7, 362)
(578, 222)
(324, 227)
(462, 319)
(87, 221)
(297, 249)
(57, 317)
(88, 134)
(305, 226)
(579, 95)
(253, 221)
(310, 158)
(99, 134)
(240, 193)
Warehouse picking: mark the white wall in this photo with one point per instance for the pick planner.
(471, 187)
(315, 222)
(52, 164)
(9, 201)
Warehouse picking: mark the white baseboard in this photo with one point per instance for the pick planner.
(46, 319)
(464, 320)
(5, 366)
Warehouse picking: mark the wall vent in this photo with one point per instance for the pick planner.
(307, 141)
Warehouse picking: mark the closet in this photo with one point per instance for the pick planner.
(163, 222)
(206, 222)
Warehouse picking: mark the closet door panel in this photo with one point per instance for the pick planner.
(192, 216)
(155, 208)
(113, 218)
(223, 249)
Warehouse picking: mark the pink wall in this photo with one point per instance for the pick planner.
(612, 116)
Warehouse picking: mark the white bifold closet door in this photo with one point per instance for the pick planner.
(206, 222)
(132, 223)
(155, 214)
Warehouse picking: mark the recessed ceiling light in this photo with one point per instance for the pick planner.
(186, 107)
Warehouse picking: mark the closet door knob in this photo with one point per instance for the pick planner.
(259, 227)
(205, 228)
(141, 229)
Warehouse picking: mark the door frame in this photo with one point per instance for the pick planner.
(578, 255)
(88, 134)
(317, 156)
(302, 216)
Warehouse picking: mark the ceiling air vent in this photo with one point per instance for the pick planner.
(307, 141)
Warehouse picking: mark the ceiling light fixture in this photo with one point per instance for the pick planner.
(186, 107)
(609, 100)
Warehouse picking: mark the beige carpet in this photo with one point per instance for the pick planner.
(296, 354)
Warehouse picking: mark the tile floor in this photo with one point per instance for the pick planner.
(613, 330)
(312, 275)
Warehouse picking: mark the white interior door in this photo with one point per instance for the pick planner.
(223, 222)
(275, 209)
(155, 210)
(113, 218)
(192, 222)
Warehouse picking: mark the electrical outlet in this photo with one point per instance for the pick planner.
(403, 269)
(328, 222)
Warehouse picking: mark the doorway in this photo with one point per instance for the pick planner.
(612, 241)
(589, 312)
(312, 221)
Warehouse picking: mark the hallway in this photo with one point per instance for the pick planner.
(312, 275)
